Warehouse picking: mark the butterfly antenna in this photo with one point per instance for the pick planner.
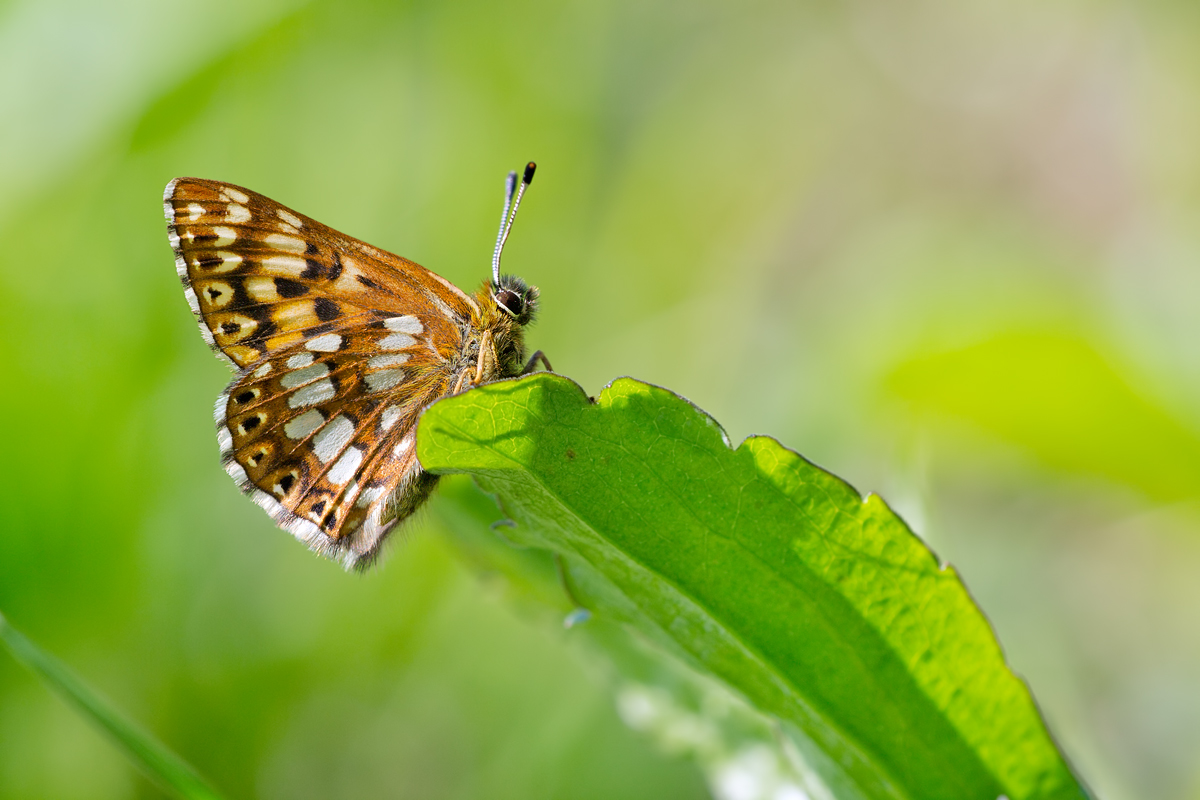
(506, 219)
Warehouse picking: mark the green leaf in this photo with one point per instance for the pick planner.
(168, 770)
(756, 568)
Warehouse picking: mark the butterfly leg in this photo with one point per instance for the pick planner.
(534, 359)
(485, 366)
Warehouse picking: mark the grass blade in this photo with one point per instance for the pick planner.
(153, 758)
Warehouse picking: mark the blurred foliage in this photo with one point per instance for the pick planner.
(1054, 396)
(844, 225)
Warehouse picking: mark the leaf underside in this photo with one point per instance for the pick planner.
(757, 568)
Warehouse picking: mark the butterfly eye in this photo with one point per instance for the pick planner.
(511, 302)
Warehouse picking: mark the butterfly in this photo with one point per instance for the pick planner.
(338, 347)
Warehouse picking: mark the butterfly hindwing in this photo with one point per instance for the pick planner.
(327, 454)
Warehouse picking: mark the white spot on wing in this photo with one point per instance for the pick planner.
(236, 214)
(343, 469)
(289, 265)
(216, 294)
(397, 341)
(300, 361)
(405, 324)
(195, 211)
(387, 379)
(263, 371)
(261, 289)
(383, 362)
(233, 195)
(286, 242)
(312, 394)
(402, 446)
(229, 262)
(389, 416)
(289, 218)
(300, 376)
(303, 425)
(370, 495)
(332, 438)
(328, 343)
(225, 236)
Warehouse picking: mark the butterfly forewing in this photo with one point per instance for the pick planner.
(339, 346)
(262, 277)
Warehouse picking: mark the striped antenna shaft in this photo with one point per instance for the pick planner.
(507, 221)
(510, 186)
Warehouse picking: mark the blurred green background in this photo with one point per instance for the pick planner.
(946, 250)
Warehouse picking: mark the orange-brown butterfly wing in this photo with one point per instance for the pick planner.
(262, 277)
(339, 345)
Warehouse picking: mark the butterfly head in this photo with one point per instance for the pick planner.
(515, 298)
